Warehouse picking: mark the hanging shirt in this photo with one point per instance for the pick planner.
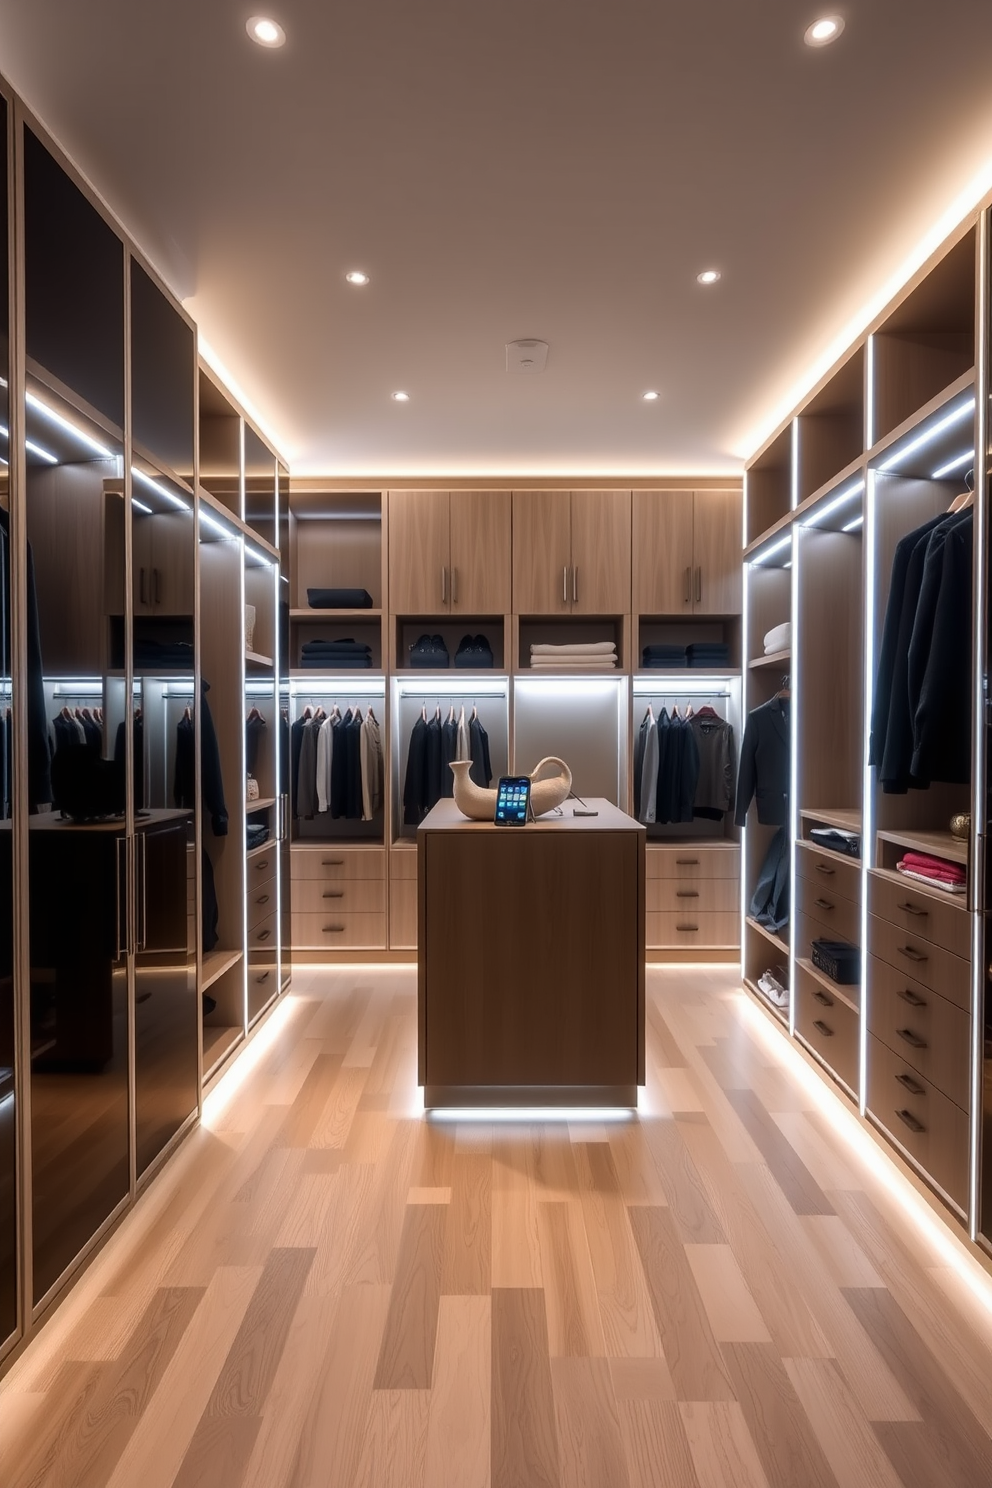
(648, 788)
(415, 779)
(325, 752)
(481, 771)
(371, 768)
(714, 738)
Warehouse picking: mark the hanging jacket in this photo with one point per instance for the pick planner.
(765, 768)
(211, 775)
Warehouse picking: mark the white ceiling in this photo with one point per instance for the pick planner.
(524, 168)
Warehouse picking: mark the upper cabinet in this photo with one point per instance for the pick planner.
(571, 552)
(687, 552)
(449, 552)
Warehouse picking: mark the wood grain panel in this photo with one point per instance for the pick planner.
(732, 1311)
(849, 1443)
(574, 1326)
(600, 577)
(524, 1435)
(655, 1444)
(480, 552)
(721, 1447)
(243, 1383)
(629, 1328)
(460, 1428)
(418, 552)
(781, 1430)
(792, 1175)
(406, 1359)
(662, 552)
(717, 528)
(590, 1449)
(467, 1267)
(542, 552)
(395, 1449)
(219, 1451)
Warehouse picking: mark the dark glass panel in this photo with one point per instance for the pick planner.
(260, 486)
(8, 1134)
(163, 359)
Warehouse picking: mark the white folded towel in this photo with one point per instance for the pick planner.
(779, 638)
(577, 648)
(574, 664)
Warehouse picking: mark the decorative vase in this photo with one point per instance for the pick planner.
(249, 627)
(961, 826)
(479, 804)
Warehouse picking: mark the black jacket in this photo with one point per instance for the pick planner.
(940, 659)
(482, 771)
(764, 770)
(415, 780)
(211, 775)
(896, 629)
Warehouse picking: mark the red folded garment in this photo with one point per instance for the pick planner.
(928, 864)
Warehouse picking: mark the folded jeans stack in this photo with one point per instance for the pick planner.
(937, 872)
(779, 638)
(329, 656)
(660, 658)
(586, 656)
(339, 599)
(710, 654)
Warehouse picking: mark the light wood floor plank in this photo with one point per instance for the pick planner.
(406, 1358)
(574, 1326)
(780, 1429)
(655, 1444)
(394, 1451)
(627, 1317)
(721, 1448)
(733, 1314)
(460, 1427)
(590, 1447)
(849, 1443)
(468, 1236)
(524, 1452)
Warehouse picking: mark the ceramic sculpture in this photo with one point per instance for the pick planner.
(479, 804)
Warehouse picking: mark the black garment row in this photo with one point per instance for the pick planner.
(433, 747)
(764, 778)
(337, 764)
(684, 766)
(921, 715)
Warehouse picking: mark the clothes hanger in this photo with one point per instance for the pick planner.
(423, 712)
(785, 691)
(966, 498)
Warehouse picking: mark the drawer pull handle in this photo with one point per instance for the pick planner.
(823, 999)
(824, 904)
(911, 998)
(821, 1027)
(911, 909)
(913, 1086)
(912, 1039)
(264, 934)
(333, 894)
(334, 929)
(825, 868)
(261, 863)
(687, 927)
(687, 862)
(687, 893)
(262, 899)
(332, 862)
(911, 953)
(263, 978)
(908, 1119)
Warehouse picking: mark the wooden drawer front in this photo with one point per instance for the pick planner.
(402, 915)
(403, 864)
(334, 931)
(922, 960)
(263, 938)
(689, 897)
(924, 1029)
(361, 895)
(665, 929)
(828, 1026)
(263, 900)
(921, 915)
(841, 916)
(931, 1128)
(340, 862)
(693, 862)
(835, 874)
(259, 870)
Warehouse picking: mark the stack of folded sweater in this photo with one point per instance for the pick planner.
(779, 638)
(587, 656)
(660, 658)
(169, 656)
(339, 599)
(708, 654)
(329, 656)
(937, 872)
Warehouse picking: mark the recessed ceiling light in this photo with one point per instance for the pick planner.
(401, 397)
(265, 31)
(708, 276)
(355, 276)
(824, 31)
(649, 397)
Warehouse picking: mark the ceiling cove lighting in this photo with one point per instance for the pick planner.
(33, 401)
(953, 465)
(772, 549)
(845, 1127)
(843, 498)
(824, 31)
(400, 397)
(929, 435)
(265, 31)
(709, 276)
(356, 277)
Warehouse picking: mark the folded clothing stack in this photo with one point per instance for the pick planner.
(937, 872)
(339, 599)
(838, 839)
(170, 656)
(586, 656)
(329, 656)
(474, 651)
(708, 654)
(660, 658)
(429, 651)
(255, 833)
(779, 638)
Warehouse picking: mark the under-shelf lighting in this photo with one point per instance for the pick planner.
(251, 552)
(844, 498)
(36, 449)
(33, 401)
(519, 1115)
(771, 550)
(928, 436)
(859, 521)
(212, 524)
(140, 506)
(953, 465)
(159, 489)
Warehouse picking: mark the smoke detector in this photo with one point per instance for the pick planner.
(526, 356)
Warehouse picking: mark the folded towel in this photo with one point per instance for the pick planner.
(927, 862)
(779, 638)
(570, 664)
(577, 648)
(339, 599)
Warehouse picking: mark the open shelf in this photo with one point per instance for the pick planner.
(937, 844)
(847, 820)
(254, 852)
(780, 1013)
(681, 674)
(773, 659)
(255, 658)
(769, 485)
(215, 963)
(262, 804)
(217, 1044)
(782, 946)
(359, 614)
(848, 994)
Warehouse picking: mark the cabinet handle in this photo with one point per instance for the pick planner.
(454, 586)
(699, 585)
(824, 904)
(444, 584)
(157, 576)
(264, 934)
(120, 950)
(825, 869)
(912, 1039)
(332, 862)
(564, 584)
(262, 899)
(822, 1027)
(687, 586)
(823, 999)
(908, 1119)
(263, 978)
(687, 893)
(575, 585)
(333, 894)
(920, 914)
(333, 929)
(142, 587)
(687, 927)
(911, 954)
(260, 864)
(687, 862)
(143, 902)
(911, 998)
(913, 1086)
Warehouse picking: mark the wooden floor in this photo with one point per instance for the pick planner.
(327, 1289)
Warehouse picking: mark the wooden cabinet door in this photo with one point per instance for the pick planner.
(480, 552)
(419, 557)
(599, 583)
(717, 552)
(662, 556)
(542, 553)
(170, 582)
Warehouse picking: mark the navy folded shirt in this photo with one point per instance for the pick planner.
(339, 599)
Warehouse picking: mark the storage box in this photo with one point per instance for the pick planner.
(837, 960)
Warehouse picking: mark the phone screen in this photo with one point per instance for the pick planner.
(512, 801)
